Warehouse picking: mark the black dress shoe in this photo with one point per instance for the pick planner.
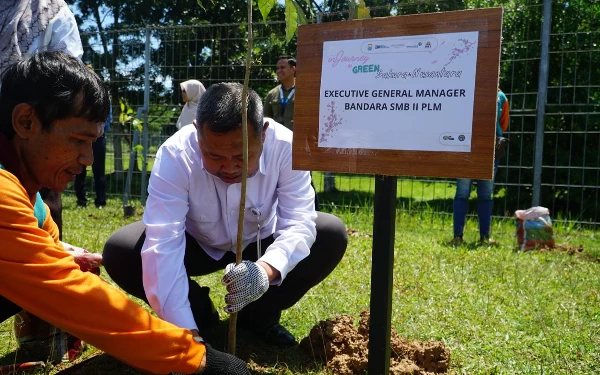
(278, 335)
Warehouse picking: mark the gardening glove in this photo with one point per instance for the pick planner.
(245, 283)
(218, 363)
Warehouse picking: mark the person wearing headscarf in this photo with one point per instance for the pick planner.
(191, 91)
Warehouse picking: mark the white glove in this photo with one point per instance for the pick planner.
(245, 283)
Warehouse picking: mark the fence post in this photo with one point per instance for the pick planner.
(146, 110)
(541, 104)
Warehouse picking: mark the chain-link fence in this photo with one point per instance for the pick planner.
(144, 68)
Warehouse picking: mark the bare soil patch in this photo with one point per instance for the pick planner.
(344, 348)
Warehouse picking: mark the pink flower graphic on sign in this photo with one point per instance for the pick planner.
(457, 52)
(333, 121)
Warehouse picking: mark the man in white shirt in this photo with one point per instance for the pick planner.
(190, 223)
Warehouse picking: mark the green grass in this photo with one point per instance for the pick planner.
(499, 310)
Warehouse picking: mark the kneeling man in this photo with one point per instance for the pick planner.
(190, 223)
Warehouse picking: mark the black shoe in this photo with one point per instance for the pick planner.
(81, 203)
(278, 335)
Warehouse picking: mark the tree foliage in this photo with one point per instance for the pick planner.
(213, 54)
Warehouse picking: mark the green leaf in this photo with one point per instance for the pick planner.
(362, 11)
(309, 5)
(291, 20)
(265, 7)
(301, 16)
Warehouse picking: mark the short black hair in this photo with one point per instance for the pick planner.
(220, 109)
(291, 60)
(57, 86)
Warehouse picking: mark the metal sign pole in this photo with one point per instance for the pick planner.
(384, 230)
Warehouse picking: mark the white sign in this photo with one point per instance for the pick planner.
(400, 93)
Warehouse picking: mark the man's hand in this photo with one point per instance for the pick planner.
(88, 262)
(219, 363)
(215, 362)
(245, 283)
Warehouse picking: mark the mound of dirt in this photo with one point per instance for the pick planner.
(568, 248)
(344, 349)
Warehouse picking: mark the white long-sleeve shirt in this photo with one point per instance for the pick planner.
(183, 196)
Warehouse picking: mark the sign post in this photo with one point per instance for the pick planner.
(397, 96)
(384, 228)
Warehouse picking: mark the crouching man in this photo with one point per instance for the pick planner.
(190, 224)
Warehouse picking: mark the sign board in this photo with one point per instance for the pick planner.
(405, 95)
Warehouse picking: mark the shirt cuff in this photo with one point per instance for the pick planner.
(182, 318)
(278, 261)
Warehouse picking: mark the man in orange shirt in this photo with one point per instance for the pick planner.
(51, 110)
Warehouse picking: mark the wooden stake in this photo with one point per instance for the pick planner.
(231, 342)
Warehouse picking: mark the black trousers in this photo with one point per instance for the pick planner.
(98, 169)
(123, 262)
(7, 309)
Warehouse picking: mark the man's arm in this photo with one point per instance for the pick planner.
(63, 35)
(38, 275)
(505, 116)
(164, 276)
(295, 231)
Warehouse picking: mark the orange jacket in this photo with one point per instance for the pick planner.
(37, 274)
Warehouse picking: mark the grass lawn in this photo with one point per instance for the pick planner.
(500, 311)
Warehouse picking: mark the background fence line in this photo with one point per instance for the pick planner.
(144, 67)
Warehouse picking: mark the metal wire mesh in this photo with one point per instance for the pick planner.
(215, 53)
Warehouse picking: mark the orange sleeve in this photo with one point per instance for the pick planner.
(50, 226)
(39, 276)
(505, 116)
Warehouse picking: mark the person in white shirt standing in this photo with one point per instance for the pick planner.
(190, 225)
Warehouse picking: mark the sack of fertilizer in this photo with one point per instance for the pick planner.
(534, 228)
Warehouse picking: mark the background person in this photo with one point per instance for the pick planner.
(191, 92)
(485, 188)
(52, 108)
(98, 169)
(279, 102)
(190, 224)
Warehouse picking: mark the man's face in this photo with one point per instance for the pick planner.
(222, 153)
(284, 70)
(52, 159)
